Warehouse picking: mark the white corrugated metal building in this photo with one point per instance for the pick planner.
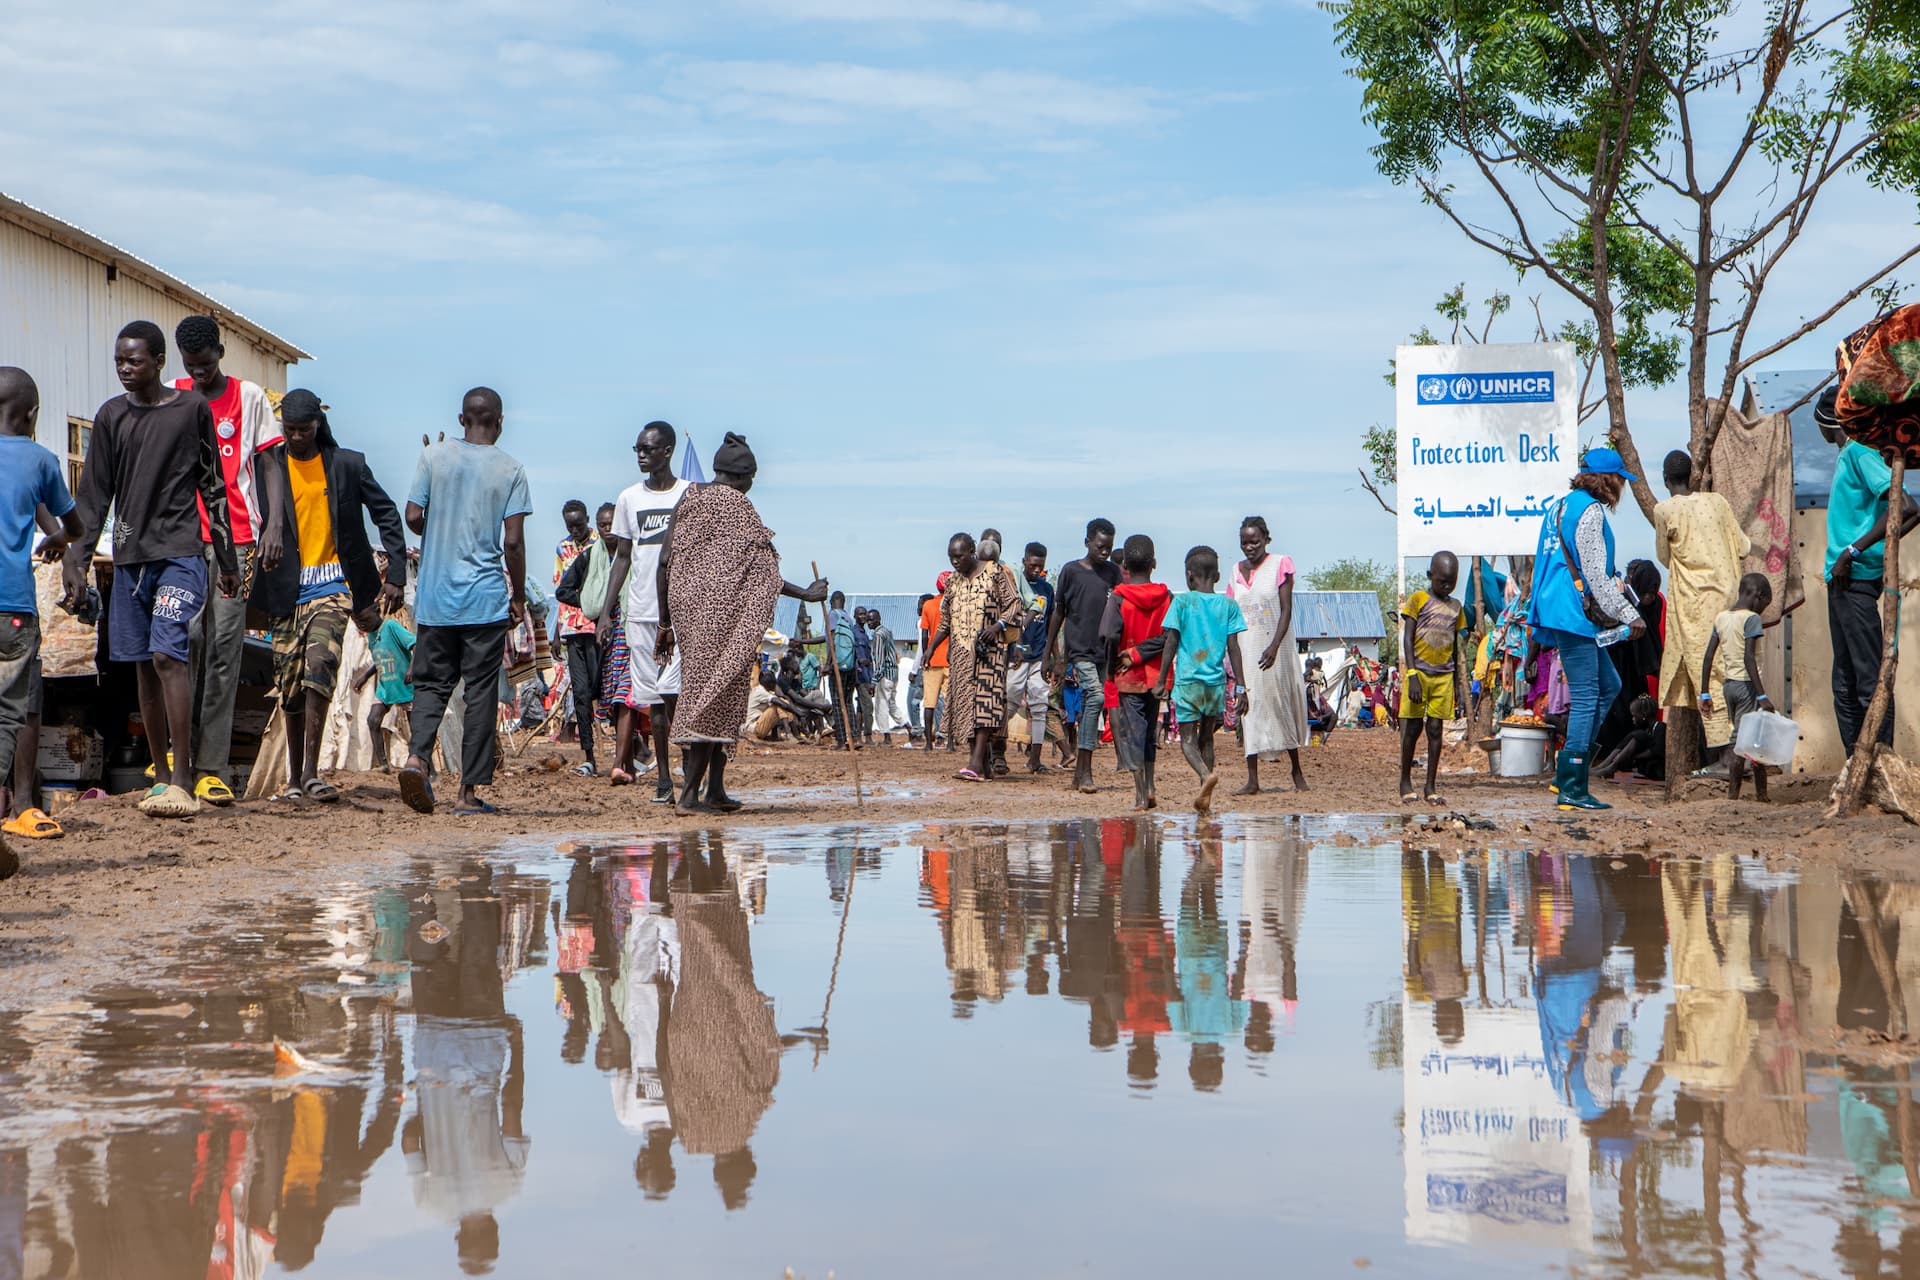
(65, 294)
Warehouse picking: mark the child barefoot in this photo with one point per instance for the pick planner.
(1131, 628)
(1203, 631)
(1736, 637)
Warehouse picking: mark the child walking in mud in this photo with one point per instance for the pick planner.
(1430, 625)
(1736, 637)
(1203, 631)
(1136, 644)
(390, 644)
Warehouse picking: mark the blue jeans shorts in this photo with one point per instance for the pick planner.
(154, 607)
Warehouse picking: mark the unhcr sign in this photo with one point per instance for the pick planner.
(1534, 387)
(1487, 442)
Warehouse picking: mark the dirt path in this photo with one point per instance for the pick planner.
(86, 908)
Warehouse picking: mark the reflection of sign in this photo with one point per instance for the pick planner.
(1487, 442)
(1492, 1152)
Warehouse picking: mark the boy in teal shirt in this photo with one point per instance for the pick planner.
(1203, 632)
(391, 646)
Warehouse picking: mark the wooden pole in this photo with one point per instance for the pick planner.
(846, 724)
(1851, 789)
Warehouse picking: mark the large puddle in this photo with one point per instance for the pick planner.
(1099, 1047)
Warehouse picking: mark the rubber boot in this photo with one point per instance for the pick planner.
(1562, 773)
(1573, 792)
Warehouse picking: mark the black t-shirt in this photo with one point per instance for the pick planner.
(1081, 598)
(150, 463)
(1650, 755)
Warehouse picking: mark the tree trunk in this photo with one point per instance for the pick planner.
(1686, 735)
(1851, 787)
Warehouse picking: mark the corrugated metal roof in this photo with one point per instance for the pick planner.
(83, 242)
(1337, 615)
(900, 612)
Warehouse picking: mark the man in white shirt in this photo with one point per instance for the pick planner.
(642, 519)
(245, 424)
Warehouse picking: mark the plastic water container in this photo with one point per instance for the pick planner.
(1523, 751)
(1767, 738)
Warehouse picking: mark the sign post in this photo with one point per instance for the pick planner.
(1488, 438)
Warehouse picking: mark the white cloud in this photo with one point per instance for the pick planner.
(839, 92)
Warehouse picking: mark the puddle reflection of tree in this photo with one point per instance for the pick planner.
(1082, 899)
(1773, 986)
(656, 969)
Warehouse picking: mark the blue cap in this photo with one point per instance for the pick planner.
(1604, 462)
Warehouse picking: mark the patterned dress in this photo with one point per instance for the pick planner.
(722, 582)
(977, 687)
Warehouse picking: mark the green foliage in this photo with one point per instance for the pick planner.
(1383, 454)
(1352, 573)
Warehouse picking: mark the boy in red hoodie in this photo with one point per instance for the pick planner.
(1136, 645)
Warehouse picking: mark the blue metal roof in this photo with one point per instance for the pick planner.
(900, 612)
(1337, 615)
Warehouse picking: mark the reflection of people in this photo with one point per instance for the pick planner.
(1432, 909)
(1207, 1014)
(720, 1052)
(464, 1145)
(1273, 897)
(1578, 1019)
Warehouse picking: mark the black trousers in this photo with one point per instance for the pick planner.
(443, 656)
(583, 673)
(1853, 618)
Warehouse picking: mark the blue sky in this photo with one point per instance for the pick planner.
(946, 264)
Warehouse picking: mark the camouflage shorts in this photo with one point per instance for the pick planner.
(306, 647)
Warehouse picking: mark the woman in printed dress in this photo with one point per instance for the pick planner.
(979, 605)
(1273, 706)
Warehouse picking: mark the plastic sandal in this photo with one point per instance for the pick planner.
(150, 772)
(585, 770)
(479, 807)
(290, 794)
(34, 824)
(416, 790)
(323, 791)
(170, 802)
(213, 790)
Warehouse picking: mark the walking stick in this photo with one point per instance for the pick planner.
(840, 696)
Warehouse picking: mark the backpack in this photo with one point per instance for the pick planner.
(599, 573)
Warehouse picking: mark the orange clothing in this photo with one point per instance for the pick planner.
(930, 623)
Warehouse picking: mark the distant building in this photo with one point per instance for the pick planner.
(65, 294)
(1328, 623)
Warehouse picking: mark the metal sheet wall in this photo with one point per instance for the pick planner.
(58, 316)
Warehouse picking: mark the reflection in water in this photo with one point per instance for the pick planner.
(1633, 1115)
(1083, 899)
(1616, 1067)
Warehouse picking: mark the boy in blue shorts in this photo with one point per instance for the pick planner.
(1203, 631)
(29, 479)
(154, 460)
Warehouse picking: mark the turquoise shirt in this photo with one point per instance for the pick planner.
(1861, 482)
(1204, 620)
(392, 648)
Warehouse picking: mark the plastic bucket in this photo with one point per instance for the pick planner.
(1523, 751)
(1767, 738)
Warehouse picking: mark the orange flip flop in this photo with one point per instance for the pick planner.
(33, 825)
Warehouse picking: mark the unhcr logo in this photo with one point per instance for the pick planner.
(1487, 388)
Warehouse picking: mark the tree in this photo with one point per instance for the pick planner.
(1351, 573)
(1645, 159)
(1647, 359)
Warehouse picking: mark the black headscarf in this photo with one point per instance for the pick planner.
(301, 405)
(734, 457)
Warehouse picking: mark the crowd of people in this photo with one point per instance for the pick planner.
(220, 503)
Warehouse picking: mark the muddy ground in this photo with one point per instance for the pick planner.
(85, 909)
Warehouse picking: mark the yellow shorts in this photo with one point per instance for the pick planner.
(933, 682)
(1435, 702)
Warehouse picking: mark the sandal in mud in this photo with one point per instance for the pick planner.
(416, 791)
(323, 791)
(164, 800)
(33, 824)
(968, 775)
(291, 793)
(212, 789)
(585, 770)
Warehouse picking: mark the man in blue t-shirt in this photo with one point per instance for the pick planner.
(29, 480)
(1856, 569)
(469, 504)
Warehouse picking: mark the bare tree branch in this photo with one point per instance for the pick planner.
(1369, 487)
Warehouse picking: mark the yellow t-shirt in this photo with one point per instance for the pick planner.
(320, 572)
(1435, 623)
(1735, 627)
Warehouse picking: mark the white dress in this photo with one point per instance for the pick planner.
(1276, 718)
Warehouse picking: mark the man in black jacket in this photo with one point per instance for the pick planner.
(310, 595)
